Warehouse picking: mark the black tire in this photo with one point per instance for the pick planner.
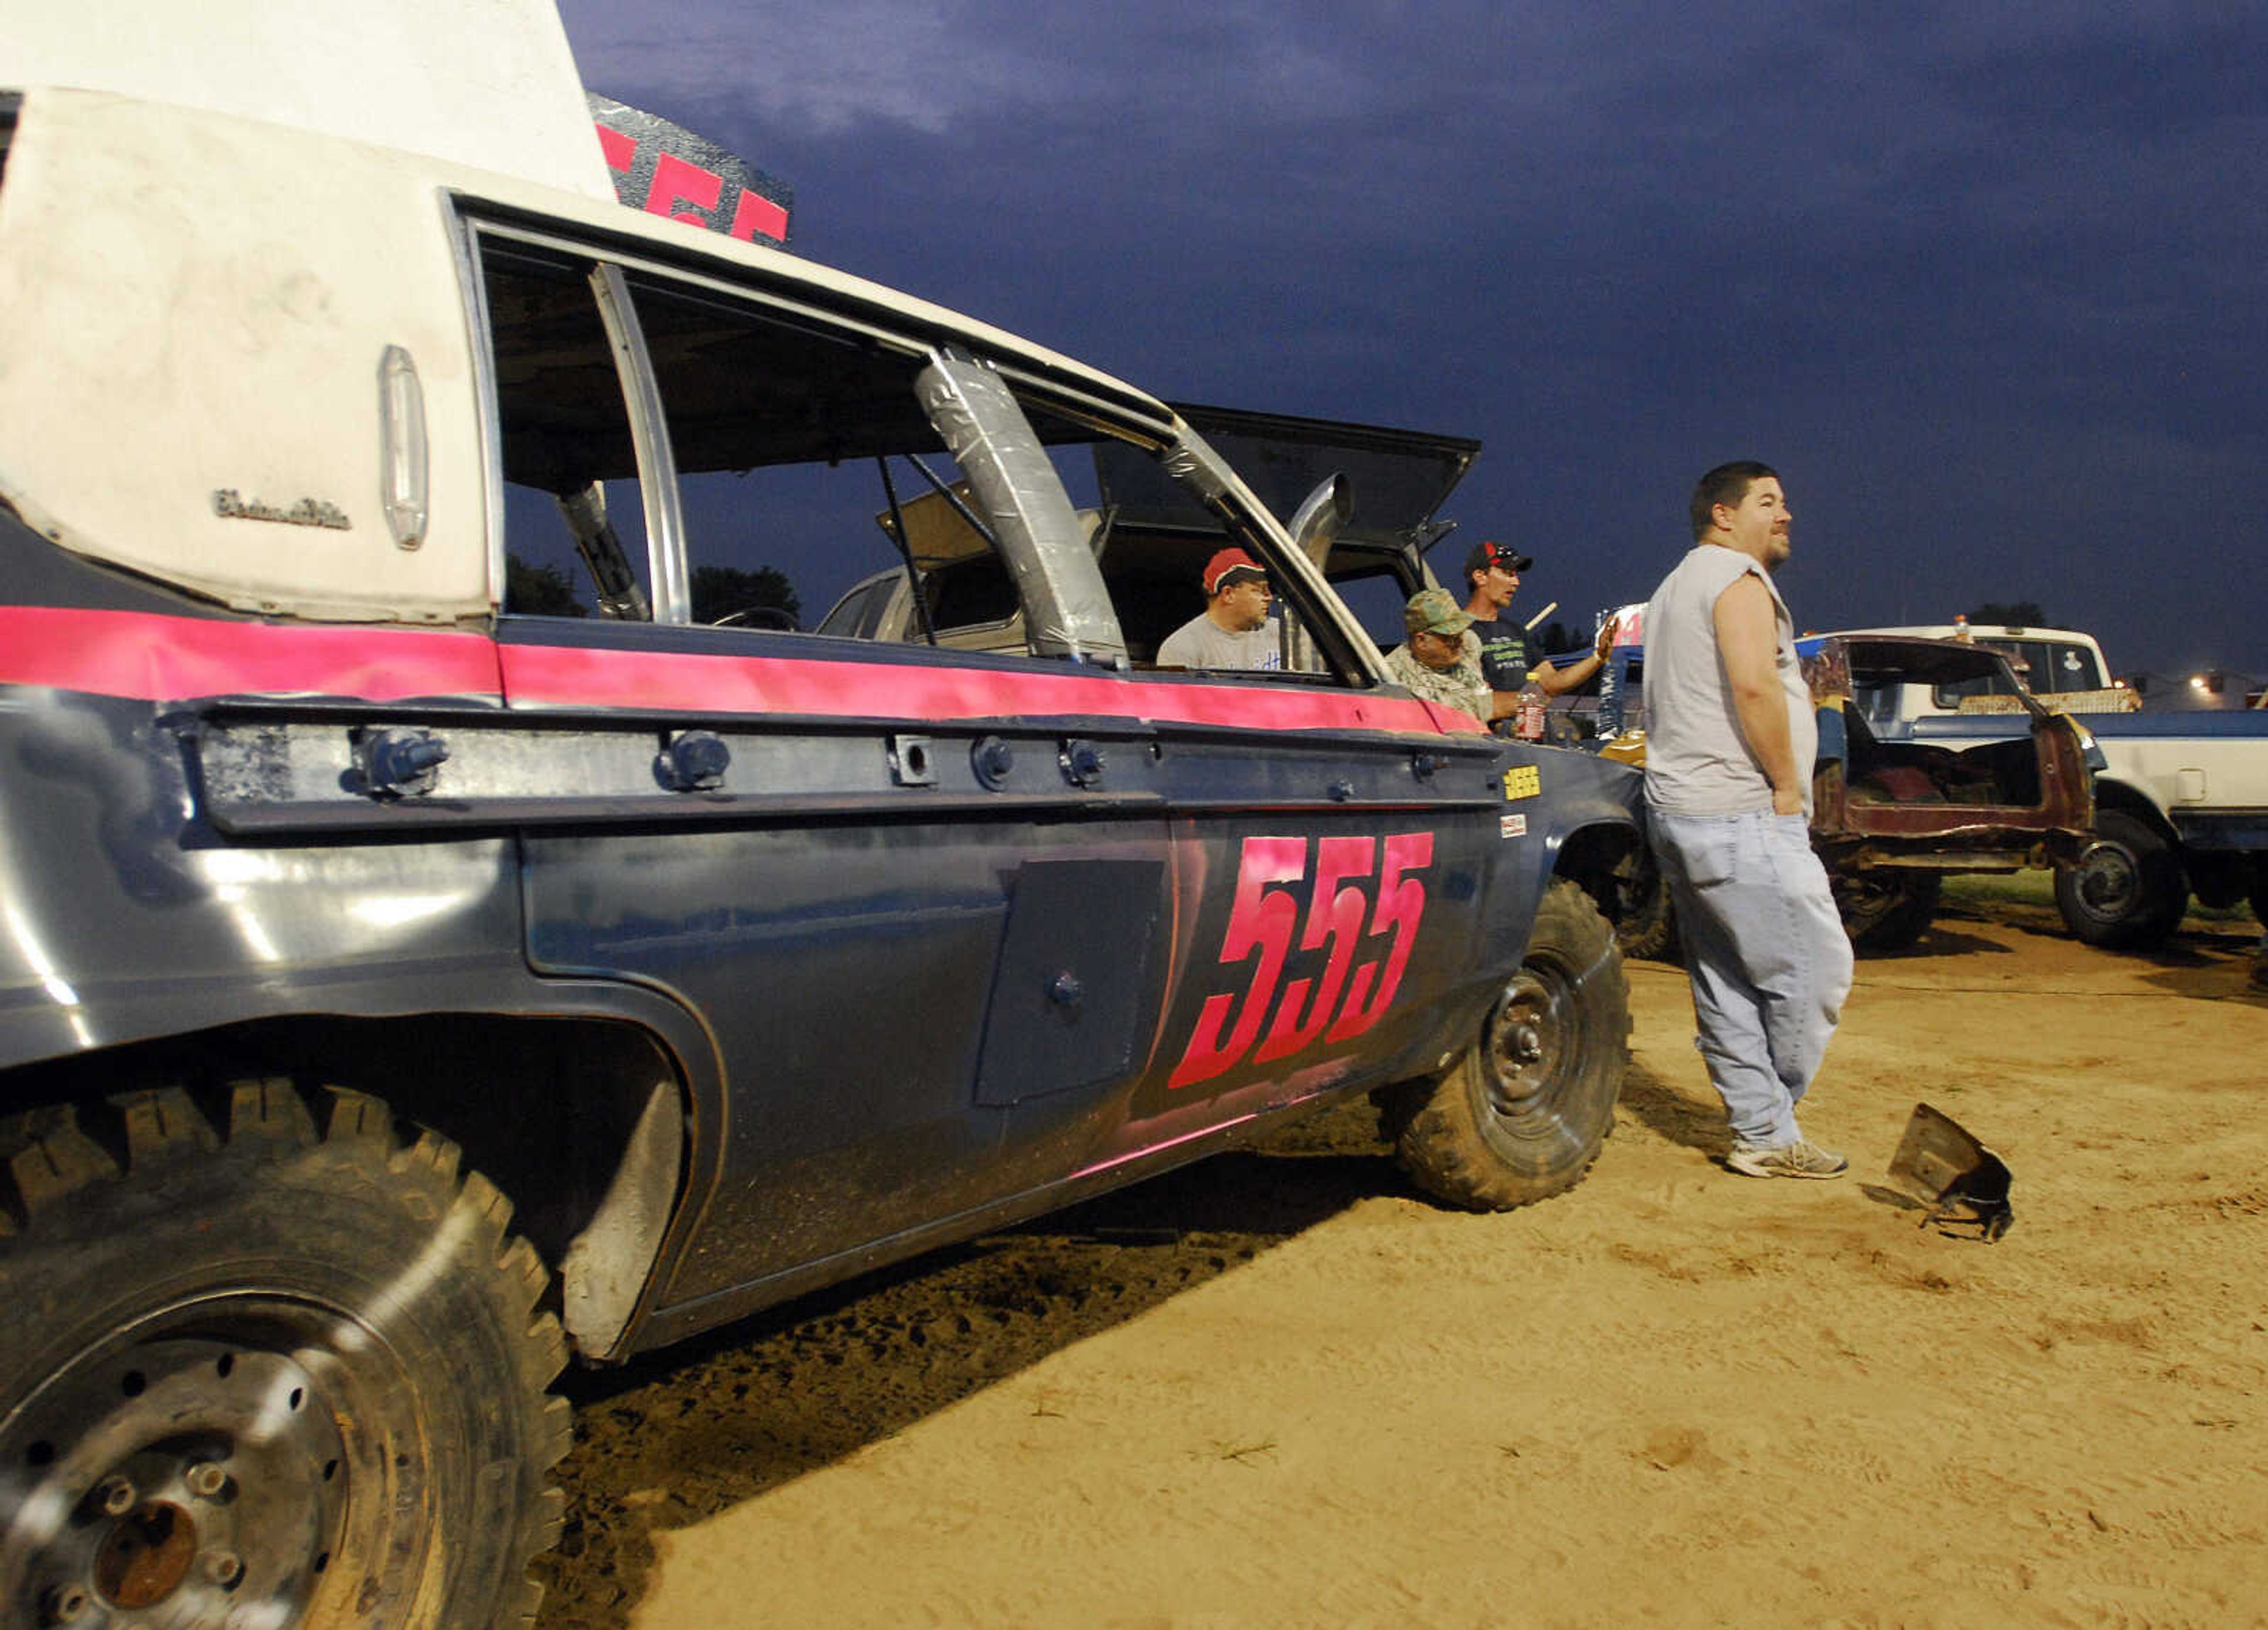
(1646, 921)
(1888, 910)
(289, 1377)
(2128, 891)
(2259, 893)
(1521, 1116)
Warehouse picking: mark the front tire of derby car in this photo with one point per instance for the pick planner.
(283, 1376)
(1522, 1114)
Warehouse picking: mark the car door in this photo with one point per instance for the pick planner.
(872, 870)
(1333, 839)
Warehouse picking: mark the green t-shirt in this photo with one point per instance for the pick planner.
(1504, 652)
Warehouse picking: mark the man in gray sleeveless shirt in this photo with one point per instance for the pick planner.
(1730, 737)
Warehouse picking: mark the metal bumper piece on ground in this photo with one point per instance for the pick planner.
(1962, 1182)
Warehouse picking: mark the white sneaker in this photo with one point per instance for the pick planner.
(1799, 1159)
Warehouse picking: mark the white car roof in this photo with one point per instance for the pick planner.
(202, 304)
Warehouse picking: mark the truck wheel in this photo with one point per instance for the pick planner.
(2127, 889)
(286, 1377)
(1888, 911)
(1521, 1116)
(1646, 925)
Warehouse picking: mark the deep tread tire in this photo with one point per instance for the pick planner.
(1891, 912)
(2128, 891)
(1645, 925)
(310, 1356)
(1521, 1116)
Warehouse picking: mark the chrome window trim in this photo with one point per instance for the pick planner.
(664, 510)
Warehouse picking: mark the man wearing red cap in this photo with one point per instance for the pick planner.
(1231, 631)
(1491, 579)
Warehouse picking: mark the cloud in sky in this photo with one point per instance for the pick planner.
(859, 64)
(1981, 277)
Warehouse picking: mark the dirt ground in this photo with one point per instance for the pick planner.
(1279, 1390)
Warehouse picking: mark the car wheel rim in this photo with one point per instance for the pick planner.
(195, 1471)
(2108, 879)
(1532, 1037)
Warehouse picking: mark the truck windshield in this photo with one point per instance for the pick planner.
(2044, 666)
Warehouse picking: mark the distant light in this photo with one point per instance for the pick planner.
(2197, 682)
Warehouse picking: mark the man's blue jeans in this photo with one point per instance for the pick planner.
(1766, 953)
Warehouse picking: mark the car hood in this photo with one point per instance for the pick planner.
(1879, 660)
(1399, 477)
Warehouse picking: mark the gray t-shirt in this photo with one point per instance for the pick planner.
(1696, 760)
(1202, 643)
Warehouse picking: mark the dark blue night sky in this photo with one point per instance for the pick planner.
(1985, 281)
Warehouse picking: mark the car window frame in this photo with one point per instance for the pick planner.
(617, 264)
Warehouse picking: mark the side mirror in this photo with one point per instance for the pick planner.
(1316, 528)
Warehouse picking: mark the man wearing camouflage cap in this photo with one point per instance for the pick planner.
(1441, 662)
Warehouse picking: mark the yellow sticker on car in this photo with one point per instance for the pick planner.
(1523, 781)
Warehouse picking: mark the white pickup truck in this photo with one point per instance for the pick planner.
(2181, 798)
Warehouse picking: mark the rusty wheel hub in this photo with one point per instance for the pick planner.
(177, 1480)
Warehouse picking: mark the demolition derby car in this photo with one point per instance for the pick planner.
(453, 921)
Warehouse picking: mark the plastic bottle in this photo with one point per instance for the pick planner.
(1528, 723)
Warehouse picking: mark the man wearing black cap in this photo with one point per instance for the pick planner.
(1232, 631)
(1492, 577)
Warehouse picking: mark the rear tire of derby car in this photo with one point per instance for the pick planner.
(1522, 1113)
(1646, 925)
